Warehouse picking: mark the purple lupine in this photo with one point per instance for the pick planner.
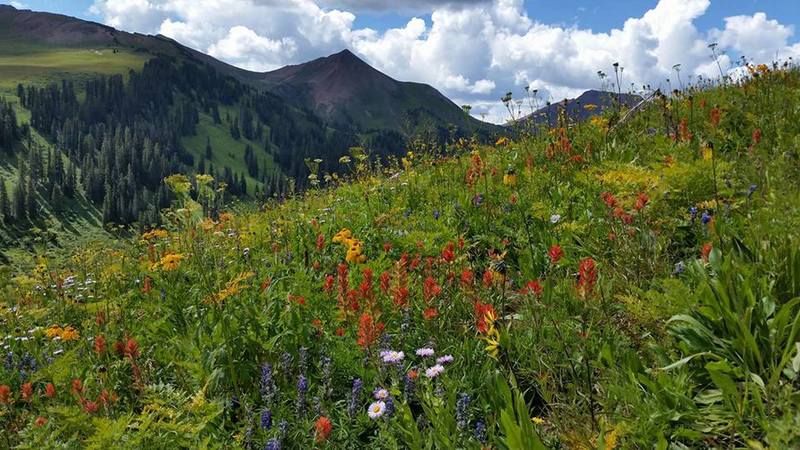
(462, 411)
(273, 444)
(283, 429)
(390, 408)
(266, 419)
(326, 376)
(480, 432)
(303, 361)
(267, 383)
(693, 212)
(302, 389)
(409, 385)
(705, 218)
(355, 397)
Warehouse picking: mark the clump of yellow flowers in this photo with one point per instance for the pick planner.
(510, 178)
(65, 334)
(168, 262)
(355, 248)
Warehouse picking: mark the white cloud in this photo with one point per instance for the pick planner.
(473, 50)
(18, 5)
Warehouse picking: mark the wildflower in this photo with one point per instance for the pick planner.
(409, 383)
(462, 411)
(100, 344)
(706, 218)
(355, 397)
(483, 311)
(510, 178)
(376, 410)
(302, 389)
(5, 393)
(448, 253)
(555, 218)
(27, 392)
(430, 313)
(380, 394)
(40, 421)
(480, 432)
(436, 214)
(706, 251)
(537, 420)
(555, 253)
(368, 330)
(424, 352)
(434, 371)
(716, 114)
(477, 200)
(680, 267)
(50, 390)
(446, 359)
(587, 276)
(169, 262)
(751, 190)
(392, 356)
(273, 444)
(534, 287)
(90, 407)
(77, 386)
(267, 383)
(323, 427)
(641, 201)
(320, 242)
(328, 285)
(693, 213)
(608, 199)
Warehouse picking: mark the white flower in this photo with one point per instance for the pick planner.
(424, 352)
(392, 356)
(555, 218)
(376, 409)
(444, 359)
(381, 394)
(434, 371)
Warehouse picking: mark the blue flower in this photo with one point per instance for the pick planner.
(273, 444)
(752, 189)
(705, 218)
(267, 383)
(355, 397)
(480, 432)
(302, 389)
(266, 419)
(680, 267)
(462, 411)
(693, 212)
(436, 214)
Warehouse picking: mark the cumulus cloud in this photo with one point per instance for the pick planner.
(472, 50)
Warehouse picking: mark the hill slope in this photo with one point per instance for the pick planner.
(605, 289)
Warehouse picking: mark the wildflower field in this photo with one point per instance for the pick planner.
(628, 282)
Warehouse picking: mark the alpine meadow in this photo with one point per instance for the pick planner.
(197, 253)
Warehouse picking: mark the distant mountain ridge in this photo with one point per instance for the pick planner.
(585, 106)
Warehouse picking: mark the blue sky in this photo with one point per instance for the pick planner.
(472, 50)
(597, 15)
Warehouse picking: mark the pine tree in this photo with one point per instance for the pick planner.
(5, 203)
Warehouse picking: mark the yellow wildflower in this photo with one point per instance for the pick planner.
(707, 153)
(502, 142)
(69, 334)
(153, 234)
(168, 262)
(53, 331)
(232, 288)
(342, 236)
(538, 420)
(510, 178)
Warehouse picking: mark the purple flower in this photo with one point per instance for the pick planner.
(392, 356)
(693, 212)
(267, 383)
(436, 214)
(477, 200)
(355, 397)
(266, 419)
(446, 359)
(380, 394)
(752, 189)
(705, 218)
(302, 389)
(462, 411)
(434, 371)
(480, 432)
(425, 352)
(273, 444)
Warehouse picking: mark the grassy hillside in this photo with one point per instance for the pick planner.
(629, 285)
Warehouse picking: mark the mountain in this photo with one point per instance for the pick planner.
(92, 120)
(348, 92)
(587, 105)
